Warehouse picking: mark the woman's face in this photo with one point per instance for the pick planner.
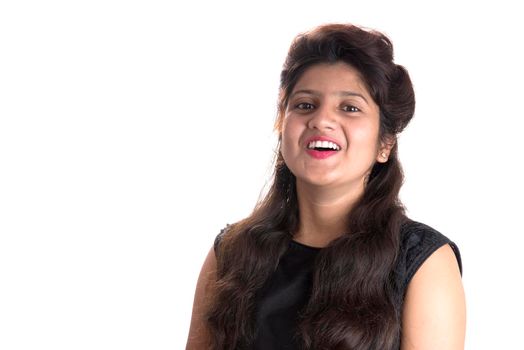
(330, 131)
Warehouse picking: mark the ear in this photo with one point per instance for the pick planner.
(386, 144)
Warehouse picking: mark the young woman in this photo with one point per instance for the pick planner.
(328, 259)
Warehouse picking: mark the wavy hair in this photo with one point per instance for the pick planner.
(352, 303)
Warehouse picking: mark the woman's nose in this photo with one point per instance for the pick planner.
(323, 118)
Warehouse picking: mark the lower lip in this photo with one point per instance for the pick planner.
(320, 154)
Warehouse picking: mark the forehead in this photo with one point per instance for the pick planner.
(331, 78)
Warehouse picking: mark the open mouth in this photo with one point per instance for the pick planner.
(323, 146)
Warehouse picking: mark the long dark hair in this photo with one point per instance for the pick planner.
(352, 303)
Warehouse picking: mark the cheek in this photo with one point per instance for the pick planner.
(284, 138)
(289, 144)
(290, 132)
(365, 137)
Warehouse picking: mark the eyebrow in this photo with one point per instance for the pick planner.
(340, 93)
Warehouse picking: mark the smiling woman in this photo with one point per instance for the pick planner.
(330, 105)
(329, 259)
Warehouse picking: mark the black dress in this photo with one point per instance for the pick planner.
(288, 289)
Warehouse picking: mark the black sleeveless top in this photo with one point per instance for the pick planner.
(288, 289)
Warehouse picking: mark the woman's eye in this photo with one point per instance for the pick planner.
(349, 108)
(305, 106)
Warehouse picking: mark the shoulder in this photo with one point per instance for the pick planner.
(418, 242)
(433, 315)
(199, 336)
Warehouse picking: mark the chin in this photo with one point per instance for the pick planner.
(317, 181)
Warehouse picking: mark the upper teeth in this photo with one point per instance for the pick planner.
(323, 144)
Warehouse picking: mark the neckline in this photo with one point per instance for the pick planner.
(302, 245)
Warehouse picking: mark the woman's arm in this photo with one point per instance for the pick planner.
(434, 315)
(198, 338)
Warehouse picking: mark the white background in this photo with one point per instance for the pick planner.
(131, 132)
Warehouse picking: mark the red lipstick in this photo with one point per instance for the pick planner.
(320, 154)
(317, 154)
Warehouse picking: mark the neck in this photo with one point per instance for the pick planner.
(324, 212)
